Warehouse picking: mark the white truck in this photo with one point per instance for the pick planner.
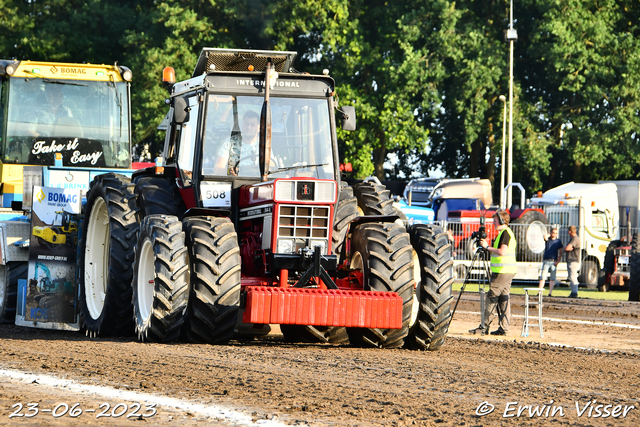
(618, 259)
(594, 210)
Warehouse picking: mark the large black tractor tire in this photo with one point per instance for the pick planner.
(608, 267)
(589, 273)
(433, 273)
(634, 279)
(374, 199)
(109, 234)
(383, 252)
(10, 274)
(160, 279)
(158, 195)
(214, 259)
(346, 211)
(530, 238)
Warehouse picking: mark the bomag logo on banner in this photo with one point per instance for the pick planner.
(41, 196)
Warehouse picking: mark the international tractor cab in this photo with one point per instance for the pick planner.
(245, 213)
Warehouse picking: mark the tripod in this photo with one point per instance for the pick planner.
(480, 260)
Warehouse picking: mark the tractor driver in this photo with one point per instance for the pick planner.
(54, 112)
(240, 154)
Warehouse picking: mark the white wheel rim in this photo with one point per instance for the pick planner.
(356, 262)
(417, 277)
(146, 280)
(535, 239)
(96, 258)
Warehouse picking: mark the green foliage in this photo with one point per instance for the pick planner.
(424, 77)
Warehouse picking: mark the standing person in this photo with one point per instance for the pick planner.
(503, 269)
(550, 259)
(573, 260)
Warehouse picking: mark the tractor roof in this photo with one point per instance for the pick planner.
(241, 59)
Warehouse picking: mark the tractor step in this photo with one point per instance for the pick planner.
(321, 307)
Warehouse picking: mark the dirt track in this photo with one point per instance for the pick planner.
(270, 382)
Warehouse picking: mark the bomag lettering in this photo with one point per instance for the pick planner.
(62, 198)
(67, 70)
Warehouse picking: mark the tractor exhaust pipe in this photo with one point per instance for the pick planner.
(265, 125)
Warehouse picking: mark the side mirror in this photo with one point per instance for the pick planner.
(348, 117)
(180, 110)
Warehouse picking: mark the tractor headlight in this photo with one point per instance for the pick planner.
(285, 246)
(322, 244)
(126, 73)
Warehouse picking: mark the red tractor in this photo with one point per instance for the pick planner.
(245, 213)
(463, 203)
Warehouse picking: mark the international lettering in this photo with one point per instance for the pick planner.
(279, 83)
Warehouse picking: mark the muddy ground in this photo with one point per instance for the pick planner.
(268, 382)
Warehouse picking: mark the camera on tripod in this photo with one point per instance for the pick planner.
(481, 234)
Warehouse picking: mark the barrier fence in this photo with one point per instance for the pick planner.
(529, 253)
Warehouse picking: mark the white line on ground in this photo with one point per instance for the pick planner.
(584, 322)
(218, 412)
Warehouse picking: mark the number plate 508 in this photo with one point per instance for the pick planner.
(215, 194)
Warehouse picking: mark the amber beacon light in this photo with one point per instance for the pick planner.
(168, 75)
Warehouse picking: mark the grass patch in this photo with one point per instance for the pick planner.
(518, 289)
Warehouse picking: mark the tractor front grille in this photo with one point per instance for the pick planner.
(302, 227)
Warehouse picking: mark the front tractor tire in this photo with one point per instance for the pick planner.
(109, 236)
(346, 211)
(383, 252)
(433, 274)
(160, 279)
(214, 259)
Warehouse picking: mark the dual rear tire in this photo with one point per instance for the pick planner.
(165, 302)
(186, 280)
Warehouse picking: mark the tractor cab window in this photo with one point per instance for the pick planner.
(87, 122)
(300, 137)
(187, 141)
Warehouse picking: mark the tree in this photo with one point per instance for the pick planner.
(359, 42)
(586, 85)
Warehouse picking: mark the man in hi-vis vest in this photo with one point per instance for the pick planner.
(503, 268)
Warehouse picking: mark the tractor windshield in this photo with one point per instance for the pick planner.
(300, 137)
(87, 122)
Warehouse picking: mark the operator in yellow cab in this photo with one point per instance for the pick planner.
(503, 269)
